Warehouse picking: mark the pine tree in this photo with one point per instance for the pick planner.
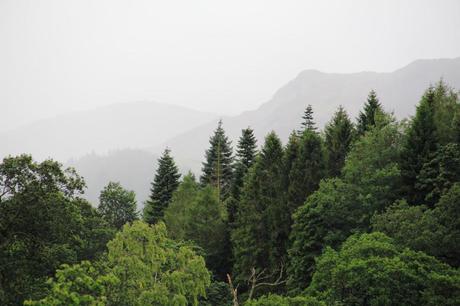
(421, 142)
(307, 123)
(366, 118)
(307, 169)
(339, 134)
(260, 238)
(164, 184)
(245, 154)
(218, 167)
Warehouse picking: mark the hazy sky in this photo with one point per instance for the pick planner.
(218, 56)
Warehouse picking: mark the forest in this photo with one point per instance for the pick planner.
(362, 211)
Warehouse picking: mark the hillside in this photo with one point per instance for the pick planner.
(399, 91)
(117, 126)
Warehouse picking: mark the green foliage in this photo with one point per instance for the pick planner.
(369, 269)
(143, 267)
(260, 237)
(246, 154)
(339, 135)
(217, 293)
(117, 205)
(366, 118)
(153, 269)
(307, 169)
(176, 214)
(43, 224)
(341, 207)
(277, 300)
(308, 123)
(439, 173)
(218, 167)
(164, 184)
(79, 284)
(196, 214)
(433, 231)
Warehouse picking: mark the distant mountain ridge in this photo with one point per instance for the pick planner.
(146, 128)
(112, 127)
(398, 91)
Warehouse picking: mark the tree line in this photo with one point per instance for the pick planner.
(356, 213)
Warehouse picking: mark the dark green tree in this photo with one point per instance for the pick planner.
(117, 205)
(245, 157)
(259, 240)
(307, 169)
(217, 170)
(308, 123)
(421, 141)
(439, 173)
(369, 183)
(339, 135)
(43, 224)
(366, 118)
(164, 184)
(370, 269)
(434, 231)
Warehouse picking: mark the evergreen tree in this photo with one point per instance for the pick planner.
(117, 205)
(339, 134)
(291, 153)
(245, 154)
(164, 184)
(307, 169)
(366, 118)
(307, 123)
(260, 238)
(421, 142)
(217, 170)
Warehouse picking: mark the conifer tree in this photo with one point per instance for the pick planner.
(339, 134)
(421, 142)
(366, 118)
(291, 152)
(164, 184)
(307, 123)
(218, 167)
(307, 169)
(259, 240)
(245, 154)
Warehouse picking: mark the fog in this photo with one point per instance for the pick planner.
(215, 56)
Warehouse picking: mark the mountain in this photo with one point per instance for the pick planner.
(117, 126)
(399, 91)
(134, 169)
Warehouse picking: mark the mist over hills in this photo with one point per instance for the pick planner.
(126, 139)
(113, 127)
(398, 91)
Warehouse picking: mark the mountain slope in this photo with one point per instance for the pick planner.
(117, 126)
(399, 91)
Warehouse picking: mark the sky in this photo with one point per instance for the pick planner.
(217, 56)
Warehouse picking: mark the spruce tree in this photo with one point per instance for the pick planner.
(307, 123)
(421, 142)
(217, 170)
(164, 184)
(245, 154)
(307, 169)
(260, 238)
(366, 118)
(339, 134)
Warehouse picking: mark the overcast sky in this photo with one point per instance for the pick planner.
(217, 56)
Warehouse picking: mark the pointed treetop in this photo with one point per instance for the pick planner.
(308, 123)
(366, 118)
